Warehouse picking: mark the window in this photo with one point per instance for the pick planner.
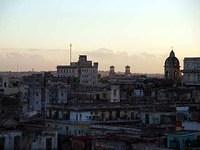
(2, 143)
(16, 142)
(104, 95)
(5, 84)
(37, 94)
(188, 76)
(75, 132)
(67, 130)
(198, 77)
(115, 92)
(49, 143)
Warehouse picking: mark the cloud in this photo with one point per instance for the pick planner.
(48, 59)
(14, 61)
(140, 62)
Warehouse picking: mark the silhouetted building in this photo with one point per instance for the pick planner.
(191, 71)
(71, 110)
(172, 67)
(84, 70)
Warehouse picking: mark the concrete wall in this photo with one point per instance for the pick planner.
(10, 85)
(9, 139)
(35, 99)
(181, 139)
(115, 93)
(138, 93)
(67, 72)
(41, 141)
(191, 71)
(151, 118)
(195, 126)
(80, 116)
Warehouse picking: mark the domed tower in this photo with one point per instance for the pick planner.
(172, 67)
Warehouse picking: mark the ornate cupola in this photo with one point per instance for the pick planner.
(172, 67)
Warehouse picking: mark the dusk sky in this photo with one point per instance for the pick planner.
(140, 33)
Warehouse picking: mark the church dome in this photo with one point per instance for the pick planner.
(172, 61)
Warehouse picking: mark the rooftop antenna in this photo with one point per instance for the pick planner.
(70, 52)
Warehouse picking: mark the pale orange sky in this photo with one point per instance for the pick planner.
(35, 33)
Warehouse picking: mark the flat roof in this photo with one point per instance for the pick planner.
(66, 66)
(184, 133)
(192, 58)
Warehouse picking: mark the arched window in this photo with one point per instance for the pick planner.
(175, 74)
(167, 74)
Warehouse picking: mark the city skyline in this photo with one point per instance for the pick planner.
(28, 60)
(99, 74)
(36, 35)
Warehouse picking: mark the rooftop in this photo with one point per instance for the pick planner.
(184, 133)
(191, 58)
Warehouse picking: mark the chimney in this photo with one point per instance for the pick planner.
(112, 70)
(82, 58)
(96, 65)
(127, 70)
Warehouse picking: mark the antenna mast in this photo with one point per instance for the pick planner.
(70, 52)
